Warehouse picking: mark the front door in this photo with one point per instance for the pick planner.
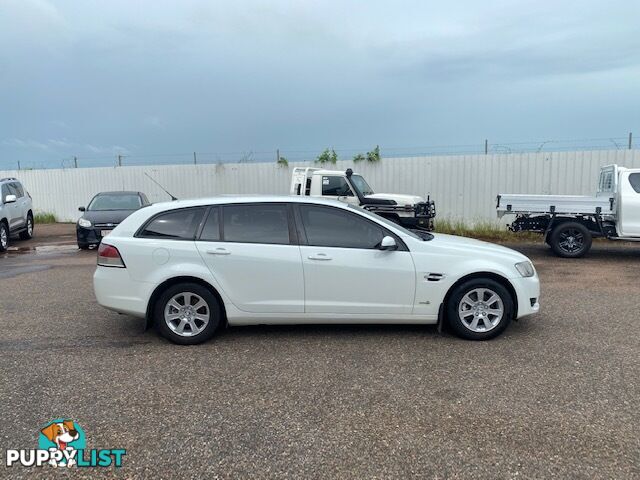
(336, 187)
(629, 208)
(253, 255)
(345, 271)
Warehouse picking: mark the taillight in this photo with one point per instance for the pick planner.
(109, 256)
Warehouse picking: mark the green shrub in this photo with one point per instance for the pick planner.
(44, 217)
(481, 229)
(327, 156)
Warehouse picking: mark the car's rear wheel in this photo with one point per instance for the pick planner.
(479, 309)
(83, 245)
(4, 236)
(187, 313)
(28, 233)
(570, 240)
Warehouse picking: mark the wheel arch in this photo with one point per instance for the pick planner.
(182, 279)
(490, 275)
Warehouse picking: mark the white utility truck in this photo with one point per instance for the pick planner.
(410, 211)
(569, 222)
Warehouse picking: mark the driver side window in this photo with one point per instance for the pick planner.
(334, 227)
(335, 186)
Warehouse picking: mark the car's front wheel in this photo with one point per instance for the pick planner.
(479, 309)
(187, 313)
(4, 236)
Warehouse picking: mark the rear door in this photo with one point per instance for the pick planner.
(629, 204)
(251, 249)
(345, 272)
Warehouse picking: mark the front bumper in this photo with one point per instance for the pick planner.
(89, 236)
(528, 294)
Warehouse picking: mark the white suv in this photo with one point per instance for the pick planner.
(192, 266)
(16, 211)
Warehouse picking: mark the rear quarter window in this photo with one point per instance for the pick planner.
(179, 224)
(634, 180)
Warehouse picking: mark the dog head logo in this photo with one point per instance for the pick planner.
(61, 433)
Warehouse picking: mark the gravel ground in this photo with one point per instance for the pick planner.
(555, 397)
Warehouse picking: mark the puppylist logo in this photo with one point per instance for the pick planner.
(62, 442)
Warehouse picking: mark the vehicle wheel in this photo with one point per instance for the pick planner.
(83, 246)
(187, 313)
(570, 240)
(479, 309)
(4, 236)
(28, 233)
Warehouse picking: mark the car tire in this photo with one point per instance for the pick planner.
(4, 236)
(83, 246)
(179, 318)
(28, 233)
(479, 309)
(570, 240)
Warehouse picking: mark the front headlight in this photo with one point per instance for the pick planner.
(83, 222)
(525, 269)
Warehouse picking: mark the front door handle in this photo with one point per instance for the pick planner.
(219, 251)
(319, 256)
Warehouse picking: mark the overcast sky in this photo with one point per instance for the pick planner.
(94, 78)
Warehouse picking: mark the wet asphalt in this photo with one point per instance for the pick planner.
(556, 396)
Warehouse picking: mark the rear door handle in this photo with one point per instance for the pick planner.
(219, 251)
(319, 256)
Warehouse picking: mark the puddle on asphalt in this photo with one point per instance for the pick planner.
(42, 249)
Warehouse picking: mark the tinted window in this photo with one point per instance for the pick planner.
(16, 189)
(333, 227)
(5, 191)
(336, 186)
(115, 202)
(211, 229)
(634, 180)
(261, 223)
(177, 224)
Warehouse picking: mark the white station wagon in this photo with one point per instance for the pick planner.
(193, 266)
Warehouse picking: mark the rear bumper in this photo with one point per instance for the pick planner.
(115, 290)
(528, 293)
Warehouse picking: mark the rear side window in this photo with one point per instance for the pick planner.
(211, 229)
(335, 186)
(333, 227)
(176, 224)
(634, 180)
(256, 223)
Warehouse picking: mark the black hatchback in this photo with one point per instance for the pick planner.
(105, 211)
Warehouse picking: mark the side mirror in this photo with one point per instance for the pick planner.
(9, 199)
(388, 243)
(82, 209)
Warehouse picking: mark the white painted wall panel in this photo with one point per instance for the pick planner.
(463, 186)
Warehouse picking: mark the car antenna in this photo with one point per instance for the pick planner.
(161, 187)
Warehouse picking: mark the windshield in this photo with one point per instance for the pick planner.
(422, 236)
(115, 202)
(361, 184)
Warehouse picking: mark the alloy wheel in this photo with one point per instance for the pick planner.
(187, 314)
(571, 240)
(481, 310)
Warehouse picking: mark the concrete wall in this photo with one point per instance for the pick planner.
(463, 186)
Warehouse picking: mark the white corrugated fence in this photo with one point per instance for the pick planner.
(464, 187)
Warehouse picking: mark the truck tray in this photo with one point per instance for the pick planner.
(567, 204)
